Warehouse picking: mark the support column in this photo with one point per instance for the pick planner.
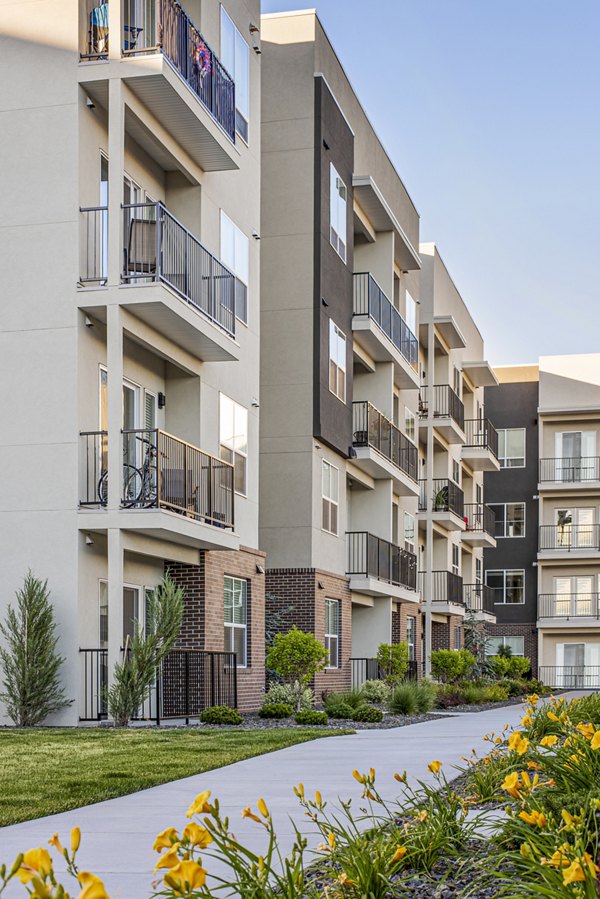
(428, 578)
(116, 167)
(115, 30)
(114, 360)
(115, 599)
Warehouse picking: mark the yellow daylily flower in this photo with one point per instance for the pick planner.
(36, 862)
(533, 766)
(434, 766)
(592, 866)
(185, 877)
(75, 839)
(318, 798)
(511, 785)
(262, 807)
(556, 860)
(358, 776)
(299, 791)
(550, 740)
(518, 743)
(552, 716)
(169, 859)
(595, 744)
(399, 853)
(331, 840)
(588, 730)
(200, 805)
(569, 819)
(401, 778)
(538, 819)
(573, 873)
(371, 774)
(526, 720)
(55, 841)
(165, 839)
(248, 813)
(344, 880)
(91, 886)
(533, 699)
(422, 815)
(197, 835)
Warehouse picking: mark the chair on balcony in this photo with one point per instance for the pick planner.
(141, 247)
(98, 31)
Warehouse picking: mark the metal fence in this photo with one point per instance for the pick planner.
(479, 517)
(446, 497)
(369, 299)
(370, 556)
(370, 427)
(369, 669)
(93, 246)
(445, 587)
(568, 605)
(576, 470)
(94, 684)
(480, 432)
(94, 468)
(570, 677)
(479, 598)
(570, 537)
(440, 401)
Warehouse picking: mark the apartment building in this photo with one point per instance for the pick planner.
(339, 360)
(131, 184)
(457, 444)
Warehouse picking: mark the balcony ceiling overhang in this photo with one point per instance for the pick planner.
(381, 217)
(448, 328)
(480, 374)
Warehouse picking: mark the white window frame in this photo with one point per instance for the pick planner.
(503, 459)
(504, 520)
(456, 641)
(412, 645)
(234, 454)
(410, 424)
(504, 572)
(330, 635)
(328, 502)
(240, 49)
(235, 254)
(504, 638)
(456, 471)
(410, 528)
(141, 610)
(455, 557)
(410, 317)
(231, 626)
(337, 361)
(338, 212)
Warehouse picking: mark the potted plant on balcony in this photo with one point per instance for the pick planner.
(440, 501)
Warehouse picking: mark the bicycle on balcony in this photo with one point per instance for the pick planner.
(140, 487)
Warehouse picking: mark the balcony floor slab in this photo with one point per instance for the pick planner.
(381, 349)
(479, 459)
(379, 467)
(371, 586)
(160, 524)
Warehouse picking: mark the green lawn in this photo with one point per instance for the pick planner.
(55, 769)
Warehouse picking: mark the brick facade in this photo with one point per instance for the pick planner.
(442, 633)
(528, 631)
(399, 615)
(297, 596)
(203, 623)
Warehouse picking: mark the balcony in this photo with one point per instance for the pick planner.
(480, 449)
(569, 609)
(570, 677)
(383, 331)
(379, 568)
(446, 596)
(569, 540)
(480, 524)
(382, 450)
(441, 406)
(170, 489)
(171, 69)
(479, 600)
(446, 505)
(570, 474)
(197, 308)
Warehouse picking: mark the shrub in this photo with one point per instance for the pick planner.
(403, 700)
(311, 716)
(450, 665)
(296, 657)
(220, 714)
(375, 691)
(368, 714)
(340, 710)
(519, 666)
(393, 661)
(278, 693)
(448, 696)
(353, 698)
(474, 694)
(276, 710)
(425, 695)
(495, 693)
(515, 687)
(500, 665)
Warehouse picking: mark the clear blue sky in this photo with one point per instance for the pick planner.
(490, 110)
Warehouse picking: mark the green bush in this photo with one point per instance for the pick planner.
(473, 694)
(403, 700)
(450, 665)
(496, 693)
(425, 695)
(393, 661)
(296, 657)
(519, 666)
(515, 687)
(448, 696)
(311, 716)
(375, 691)
(500, 665)
(368, 714)
(353, 698)
(220, 714)
(276, 710)
(341, 710)
(285, 693)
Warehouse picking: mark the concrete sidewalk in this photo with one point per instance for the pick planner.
(117, 835)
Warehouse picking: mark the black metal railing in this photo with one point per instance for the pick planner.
(479, 517)
(440, 401)
(93, 468)
(446, 497)
(569, 605)
(163, 26)
(576, 470)
(369, 669)
(370, 300)
(445, 587)
(478, 598)
(157, 247)
(570, 537)
(188, 682)
(93, 246)
(370, 427)
(370, 556)
(480, 432)
(570, 677)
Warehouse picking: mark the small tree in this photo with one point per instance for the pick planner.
(133, 677)
(451, 665)
(393, 662)
(504, 651)
(30, 663)
(296, 657)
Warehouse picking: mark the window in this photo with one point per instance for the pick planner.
(478, 570)
(411, 313)
(508, 586)
(132, 613)
(332, 632)
(236, 615)
(510, 519)
(479, 493)
(338, 199)
(411, 637)
(511, 447)
(517, 644)
(330, 476)
(457, 381)
(235, 58)
(409, 532)
(574, 528)
(457, 637)
(456, 472)
(235, 255)
(337, 361)
(455, 559)
(233, 429)
(409, 424)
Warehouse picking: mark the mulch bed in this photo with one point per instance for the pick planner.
(253, 722)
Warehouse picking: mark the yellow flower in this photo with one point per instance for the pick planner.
(595, 744)
(569, 819)
(299, 791)
(536, 818)
(262, 807)
(434, 766)
(399, 853)
(549, 740)
(588, 730)
(186, 877)
(200, 805)
(197, 835)
(525, 851)
(518, 743)
(557, 859)
(331, 840)
(533, 766)
(247, 813)
(511, 784)
(54, 841)
(552, 716)
(527, 720)
(422, 815)
(358, 776)
(344, 880)
(91, 886)
(401, 778)
(593, 868)
(36, 862)
(165, 839)
(318, 798)
(533, 699)
(371, 774)
(169, 859)
(573, 873)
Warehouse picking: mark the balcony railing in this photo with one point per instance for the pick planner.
(479, 517)
(440, 401)
(162, 26)
(445, 587)
(370, 300)
(372, 557)
(570, 677)
(369, 669)
(568, 605)
(159, 248)
(478, 598)
(577, 470)
(446, 497)
(481, 433)
(570, 537)
(160, 472)
(371, 428)
(93, 263)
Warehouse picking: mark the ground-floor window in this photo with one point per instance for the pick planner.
(332, 631)
(411, 637)
(516, 644)
(236, 618)
(457, 637)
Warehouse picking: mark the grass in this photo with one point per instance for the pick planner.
(52, 770)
